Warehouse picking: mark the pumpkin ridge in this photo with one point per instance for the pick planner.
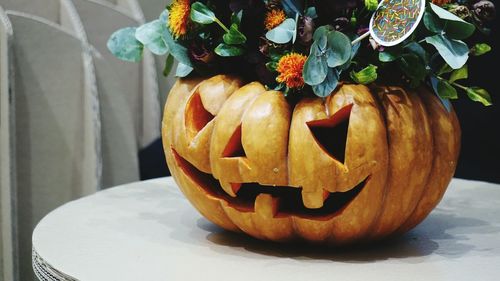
(410, 156)
(423, 209)
(269, 123)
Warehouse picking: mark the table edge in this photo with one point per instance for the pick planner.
(45, 272)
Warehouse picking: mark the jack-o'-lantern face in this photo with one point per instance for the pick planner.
(249, 161)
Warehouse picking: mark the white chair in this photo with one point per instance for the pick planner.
(55, 135)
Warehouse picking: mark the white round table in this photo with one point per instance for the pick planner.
(148, 231)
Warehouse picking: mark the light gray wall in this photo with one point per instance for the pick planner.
(7, 204)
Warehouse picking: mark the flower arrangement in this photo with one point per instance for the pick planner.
(308, 47)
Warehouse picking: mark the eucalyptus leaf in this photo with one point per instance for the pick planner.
(446, 103)
(322, 31)
(179, 52)
(315, 68)
(225, 50)
(479, 95)
(200, 13)
(480, 49)
(283, 33)
(311, 13)
(413, 67)
(455, 27)
(458, 74)
(454, 52)
(234, 36)
(365, 76)
(169, 63)
(123, 45)
(329, 84)
(150, 34)
(292, 7)
(388, 56)
(418, 50)
(446, 90)
(432, 22)
(183, 70)
(340, 48)
(164, 17)
(355, 48)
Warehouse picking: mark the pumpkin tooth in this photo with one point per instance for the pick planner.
(235, 187)
(315, 199)
(230, 188)
(266, 205)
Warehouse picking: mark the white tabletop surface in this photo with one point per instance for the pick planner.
(148, 231)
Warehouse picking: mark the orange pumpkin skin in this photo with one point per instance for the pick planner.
(401, 150)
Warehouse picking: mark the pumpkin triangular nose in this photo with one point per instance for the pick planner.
(331, 133)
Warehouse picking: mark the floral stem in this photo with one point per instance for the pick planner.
(462, 87)
(363, 36)
(221, 25)
(459, 86)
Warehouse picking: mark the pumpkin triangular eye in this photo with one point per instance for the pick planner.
(234, 147)
(331, 133)
(197, 117)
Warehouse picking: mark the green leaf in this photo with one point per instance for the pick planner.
(311, 13)
(183, 70)
(150, 34)
(454, 52)
(387, 56)
(123, 45)
(234, 36)
(432, 21)
(272, 65)
(179, 52)
(454, 27)
(163, 17)
(479, 95)
(371, 5)
(225, 50)
(365, 76)
(413, 67)
(480, 49)
(446, 90)
(340, 48)
(458, 74)
(418, 50)
(445, 69)
(322, 31)
(329, 84)
(201, 13)
(282, 33)
(316, 67)
(446, 102)
(292, 7)
(169, 62)
(236, 18)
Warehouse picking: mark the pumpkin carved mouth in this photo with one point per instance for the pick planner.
(282, 200)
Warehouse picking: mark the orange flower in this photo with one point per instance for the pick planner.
(440, 2)
(274, 18)
(178, 17)
(290, 70)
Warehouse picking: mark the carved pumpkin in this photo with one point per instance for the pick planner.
(363, 164)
